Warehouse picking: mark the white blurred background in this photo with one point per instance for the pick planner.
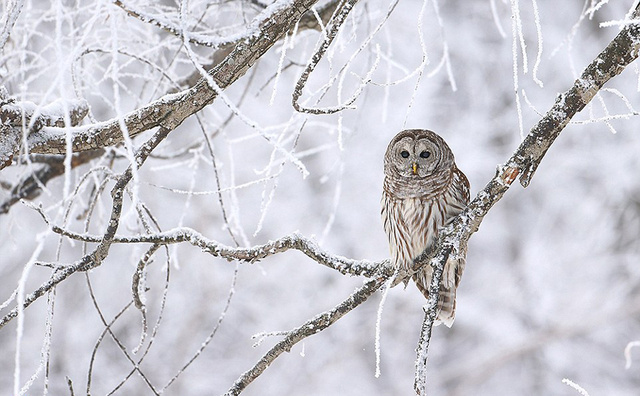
(551, 287)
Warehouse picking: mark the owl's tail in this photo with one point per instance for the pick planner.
(446, 308)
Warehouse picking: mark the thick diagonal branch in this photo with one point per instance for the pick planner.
(622, 50)
(171, 110)
(31, 185)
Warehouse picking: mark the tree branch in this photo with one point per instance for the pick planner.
(307, 22)
(309, 328)
(14, 116)
(453, 240)
(341, 15)
(31, 185)
(346, 266)
(171, 110)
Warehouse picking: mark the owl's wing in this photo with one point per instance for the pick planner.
(461, 183)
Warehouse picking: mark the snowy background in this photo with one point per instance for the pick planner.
(552, 284)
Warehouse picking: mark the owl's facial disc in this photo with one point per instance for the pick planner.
(416, 158)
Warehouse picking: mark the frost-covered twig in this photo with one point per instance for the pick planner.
(340, 16)
(453, 240)
(627, 353)
(165, 24)
(309, 328)
(213, 332)
(307, 22)
(12, 11)
(575, 386)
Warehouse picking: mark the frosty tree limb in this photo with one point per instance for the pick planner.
(30, 186)
(307, 22)
(620, 52)
(192, 37)
(309, 328)
(295, 241)
(377, 269)
(171, 110)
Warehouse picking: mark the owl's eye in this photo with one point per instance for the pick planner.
(424, 154)
(404, 154)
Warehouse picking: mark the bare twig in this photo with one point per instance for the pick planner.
(213, 332)
(622, 50)
(70, 386)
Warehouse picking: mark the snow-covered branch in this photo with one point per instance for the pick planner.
(14, 116)
(372, 269)
(295, 241)
(171, 110)
(341, 15)
(622, 50)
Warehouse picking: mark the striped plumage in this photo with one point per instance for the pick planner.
(422, 190)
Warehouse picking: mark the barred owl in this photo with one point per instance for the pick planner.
(423, 189)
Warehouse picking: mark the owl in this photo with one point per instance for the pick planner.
(423, 190)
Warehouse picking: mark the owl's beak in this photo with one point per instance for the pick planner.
(415, 168)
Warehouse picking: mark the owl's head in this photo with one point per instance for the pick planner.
(416, 154)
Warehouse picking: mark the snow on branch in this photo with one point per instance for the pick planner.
(14, 116)
(308, 21)
(165, 24)
(295, 241)
(171, 110)
(380, 270)
(620, 52)
(336, 22)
